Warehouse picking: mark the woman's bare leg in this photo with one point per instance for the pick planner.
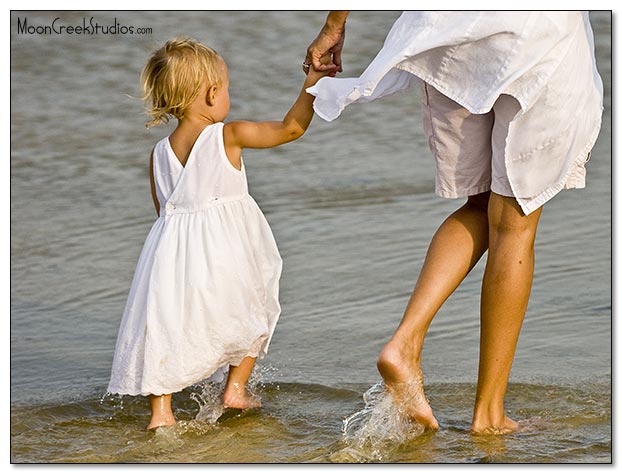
(454, 250)
(505, 293)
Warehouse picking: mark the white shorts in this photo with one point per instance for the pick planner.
(469, 149)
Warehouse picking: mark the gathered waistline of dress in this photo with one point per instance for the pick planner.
(171, 208)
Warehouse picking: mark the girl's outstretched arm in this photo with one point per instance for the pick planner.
(244, 134)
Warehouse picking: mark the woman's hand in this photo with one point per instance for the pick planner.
(329, 41)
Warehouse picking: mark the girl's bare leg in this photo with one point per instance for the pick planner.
(454, 250)
(235, 395)
(505, 293)
(161, 411)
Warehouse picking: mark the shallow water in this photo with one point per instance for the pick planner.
(352, 207)
(304, 423)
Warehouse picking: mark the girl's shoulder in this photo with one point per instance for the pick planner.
(157, 150)
(161, 145)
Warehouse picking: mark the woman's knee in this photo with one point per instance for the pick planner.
(507, 219)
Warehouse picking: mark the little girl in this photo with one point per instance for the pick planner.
(205, 292)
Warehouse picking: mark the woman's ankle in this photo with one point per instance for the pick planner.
(490, 418)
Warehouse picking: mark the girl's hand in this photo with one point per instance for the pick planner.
(243, 134)
(314, 75)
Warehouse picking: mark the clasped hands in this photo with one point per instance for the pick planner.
(324, 53)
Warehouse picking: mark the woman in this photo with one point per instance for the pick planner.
(508, 130)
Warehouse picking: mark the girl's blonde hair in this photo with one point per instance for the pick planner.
(172, 77)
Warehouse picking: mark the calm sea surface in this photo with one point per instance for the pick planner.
(352, 207)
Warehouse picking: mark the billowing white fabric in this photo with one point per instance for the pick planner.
(205, 290)
(544, 59)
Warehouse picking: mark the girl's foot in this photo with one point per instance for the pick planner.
(159, 421)
(237, 397)
(404, 380)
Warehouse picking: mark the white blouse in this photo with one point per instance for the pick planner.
(543, 59)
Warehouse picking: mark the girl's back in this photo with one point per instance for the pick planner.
(206, 178)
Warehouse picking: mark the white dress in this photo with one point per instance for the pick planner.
(544, 59)
(205, 291)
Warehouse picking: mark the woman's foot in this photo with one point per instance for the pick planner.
(236, 396)
(404, 380)
(506, 426)
(485, 427)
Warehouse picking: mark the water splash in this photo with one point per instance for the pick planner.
(111, 399)
(262, 375)
(209, 393)
(114, 406)
(377, 430)
(209, 399)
